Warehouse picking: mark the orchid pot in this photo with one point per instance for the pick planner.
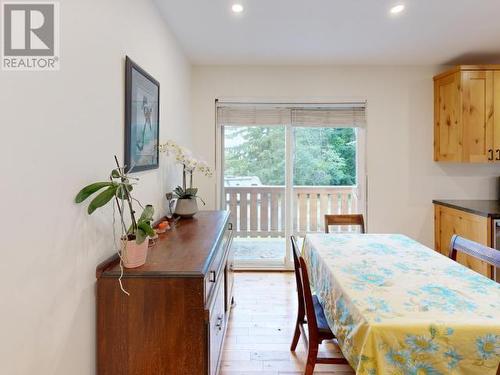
(133, 254)
(186, 207)
(186, 195)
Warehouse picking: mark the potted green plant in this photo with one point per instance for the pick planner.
(134, 238)
(186, 197)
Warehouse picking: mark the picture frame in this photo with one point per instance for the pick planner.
(142, 118)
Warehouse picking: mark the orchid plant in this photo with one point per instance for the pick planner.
(184, 157)
(119, 187)
(119, 191)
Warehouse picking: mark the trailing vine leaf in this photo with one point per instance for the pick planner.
(103, 198)
(88, 190)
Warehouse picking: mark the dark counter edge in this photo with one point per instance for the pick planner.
(465, 209)
(113, 259)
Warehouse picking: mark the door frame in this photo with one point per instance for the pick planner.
(361, 172)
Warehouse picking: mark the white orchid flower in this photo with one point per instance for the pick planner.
(204, 168)
(169, 147)
(191, 164)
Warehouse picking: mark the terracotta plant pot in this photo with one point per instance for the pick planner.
(134, 255)
(186, 208)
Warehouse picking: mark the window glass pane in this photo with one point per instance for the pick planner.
(254, 155)
(325, 156)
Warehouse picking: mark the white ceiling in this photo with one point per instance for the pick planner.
(296, 32)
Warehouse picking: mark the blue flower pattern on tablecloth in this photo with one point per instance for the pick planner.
(442, 298)
(363, 279)
(453, 358)
(412, 286)
(398, 358)
(421, 344)
(422, 368)
(475, 281)
(488, 346)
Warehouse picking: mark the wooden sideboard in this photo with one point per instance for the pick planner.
(175, 319)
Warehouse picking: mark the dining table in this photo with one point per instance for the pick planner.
(398, 307)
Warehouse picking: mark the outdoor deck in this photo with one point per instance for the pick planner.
(259, 215)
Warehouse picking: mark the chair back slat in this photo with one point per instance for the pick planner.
(308, 299)
(476, 250)
(352, 219)
(298, 277)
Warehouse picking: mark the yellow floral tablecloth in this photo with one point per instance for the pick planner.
(398, 307)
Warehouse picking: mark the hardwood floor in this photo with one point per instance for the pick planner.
(261, 328)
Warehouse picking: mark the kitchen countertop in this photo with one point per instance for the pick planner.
(487, 208)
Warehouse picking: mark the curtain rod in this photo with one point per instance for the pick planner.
(290, 105)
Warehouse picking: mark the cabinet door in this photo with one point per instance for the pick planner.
(229, 272)
(496, 116)
(217, 327)
(447, 119)
(449, 221)
(477, 116)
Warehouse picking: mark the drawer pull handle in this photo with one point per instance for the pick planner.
(498, 154)
(219, 323)
(490, 154)
(211, 277)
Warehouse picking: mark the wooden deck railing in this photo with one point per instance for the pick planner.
(259, 211)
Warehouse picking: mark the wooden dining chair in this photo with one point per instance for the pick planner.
(478, 251)
(352, 219)
(317, 325)
(310, 308)
(301, 311)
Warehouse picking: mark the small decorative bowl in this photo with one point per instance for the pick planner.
(162, 227)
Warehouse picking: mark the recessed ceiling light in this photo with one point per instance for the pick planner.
(397, 9)
(237, 8)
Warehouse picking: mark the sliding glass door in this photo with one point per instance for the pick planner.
(279, 178)
(325, 176)
(254, 174)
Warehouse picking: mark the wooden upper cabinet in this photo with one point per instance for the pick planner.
(496, 114)
(477, 116)
(447, 119)
(466, 129)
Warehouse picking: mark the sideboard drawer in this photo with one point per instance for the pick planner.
(217, 327)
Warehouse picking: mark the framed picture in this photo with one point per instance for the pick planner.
(142, 118)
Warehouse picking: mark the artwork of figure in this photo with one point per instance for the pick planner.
(141, 119)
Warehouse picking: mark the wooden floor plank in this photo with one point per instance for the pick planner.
(261, 328)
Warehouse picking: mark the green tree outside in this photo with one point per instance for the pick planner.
(323, 156)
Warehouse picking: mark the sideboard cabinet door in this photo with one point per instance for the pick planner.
(217, 326)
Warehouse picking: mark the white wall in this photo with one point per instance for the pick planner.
(403, 179)
(59, 131)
